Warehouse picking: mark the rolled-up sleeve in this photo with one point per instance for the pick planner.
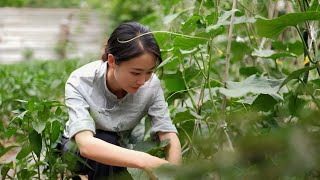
(159, 113)
(78, 110)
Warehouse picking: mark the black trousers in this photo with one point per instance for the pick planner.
(98, 171)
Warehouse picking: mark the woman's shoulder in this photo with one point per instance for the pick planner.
(86, 73)
(88, 69)
(153, 82)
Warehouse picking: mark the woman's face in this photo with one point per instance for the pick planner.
(132, 74)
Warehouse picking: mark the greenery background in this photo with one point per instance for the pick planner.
(243, 91)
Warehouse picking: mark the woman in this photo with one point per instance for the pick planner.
(107, 99)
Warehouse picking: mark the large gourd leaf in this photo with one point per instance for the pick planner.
(271, 28)
(266, 53)
(252, 85)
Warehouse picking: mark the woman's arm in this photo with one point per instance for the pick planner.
(106, 153)
(173, 149)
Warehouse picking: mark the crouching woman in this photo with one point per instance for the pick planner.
(107, 98)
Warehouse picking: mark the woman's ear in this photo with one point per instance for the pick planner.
(111, 61)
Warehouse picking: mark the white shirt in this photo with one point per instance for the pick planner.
(92, 106)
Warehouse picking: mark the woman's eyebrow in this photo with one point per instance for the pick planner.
(138, 69)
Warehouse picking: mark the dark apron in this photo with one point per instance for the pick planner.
(81, 165)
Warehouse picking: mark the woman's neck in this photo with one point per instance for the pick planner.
(112, 85)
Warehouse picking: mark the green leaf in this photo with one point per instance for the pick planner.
(163, 39)
(164, 62)
(184, 114)
(223, 20)
(248, 71)
(273, 27)
(295, 47)
(211, 18)
(25, 151)
(26, 174)
(264, 102)
(10, 131)
(191, 24)
(296, 74)
(316, 82)
(5, 150)
(58, 111)
(31, 104)
(38, 125)
(21, 115)
(55, 131)
(171, 65)
(239, 50)
(44, 115)
(185, 43)
(253, 85)
(164, 143)
(35, 142)
(151, 147)
(266, 53)
(145, 146)
(4, 171)
(295, 104)
(248, 100)
(174, 82)
(138, 174)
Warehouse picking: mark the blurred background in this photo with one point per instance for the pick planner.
(56, 30)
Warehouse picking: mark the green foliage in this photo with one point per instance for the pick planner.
(35, 124)
(259, 133)
(42, 3)
(272, 28)
(262, 122)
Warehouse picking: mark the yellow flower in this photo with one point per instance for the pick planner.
(306, 60)
(279, 62)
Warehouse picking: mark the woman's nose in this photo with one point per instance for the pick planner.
(141, 80)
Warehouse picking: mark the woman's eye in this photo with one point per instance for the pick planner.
(134, 73)
(149, 72)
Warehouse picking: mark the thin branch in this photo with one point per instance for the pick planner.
(226, 77)
(155, 32)
(187, 87)
(208, 71)
(304, 44)
(201, 4)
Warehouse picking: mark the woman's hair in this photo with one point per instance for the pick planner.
(128, 41)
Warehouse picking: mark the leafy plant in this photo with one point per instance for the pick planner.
(242, 82)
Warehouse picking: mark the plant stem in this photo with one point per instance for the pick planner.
(187, 87)
(38, 166)
(202, 71)
(201, 4)
(304, 44)
(226, 77)
(312, 96)
(167, 32)
(208, 75)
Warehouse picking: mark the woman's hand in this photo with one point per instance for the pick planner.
(106, 153)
